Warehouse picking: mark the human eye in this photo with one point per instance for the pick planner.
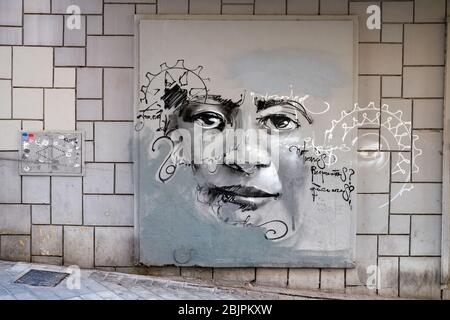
(279, 122)
(209, 120)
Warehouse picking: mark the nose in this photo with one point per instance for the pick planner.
(248, 151)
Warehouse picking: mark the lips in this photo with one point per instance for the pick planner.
(242, 191)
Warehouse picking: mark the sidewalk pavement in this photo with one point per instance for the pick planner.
(101, 285)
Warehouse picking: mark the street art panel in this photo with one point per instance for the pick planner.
(246, 140)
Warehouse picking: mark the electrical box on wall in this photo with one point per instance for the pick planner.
(51, 153)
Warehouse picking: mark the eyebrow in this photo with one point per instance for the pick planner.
(263, 104)
(216, 100)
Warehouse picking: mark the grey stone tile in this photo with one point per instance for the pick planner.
(15, 219)
(146, 9)
(204, 6)
(108, 210)
(9, 171)
(89, 83)
(15, 248)
(111, 51)
(36, 190)
(36, 6)
(114, 246)
(45, 30)
(40, 214)
(69, 57)
(122, 135)
(419, 277)
(66, 200)
(173, 6)
(89, 151)
(54, 261)
(86, 6)
(79, 246)
(89, 109)
(46, 240)
(10, 36)
(10, 13)
(124, 178)
(87, 128)
(99, 178)
(75, 37)
(28, 73)
(118, 94)
(119, 19)
(94, 25)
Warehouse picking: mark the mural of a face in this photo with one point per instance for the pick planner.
(257, 181)
(242, 159)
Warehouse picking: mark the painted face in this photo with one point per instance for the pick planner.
(248, 174)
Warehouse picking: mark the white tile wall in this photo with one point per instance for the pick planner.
(97, 73)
